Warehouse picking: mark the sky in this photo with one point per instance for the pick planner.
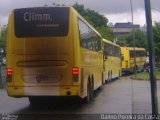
(114, 10)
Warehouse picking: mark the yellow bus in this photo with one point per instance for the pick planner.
(52, 51)
(112, 60)
(128, 63)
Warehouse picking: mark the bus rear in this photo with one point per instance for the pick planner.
(125, 59)
(40, 52)
(129, 63)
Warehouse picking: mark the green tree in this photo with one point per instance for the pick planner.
(122, 41)
(156, 36)
(106, 32)
(3, 38)
(139, 36)
(98, 21)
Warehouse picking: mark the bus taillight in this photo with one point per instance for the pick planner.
(75, 72)
(9, 72)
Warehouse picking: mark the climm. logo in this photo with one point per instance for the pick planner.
(36, 17)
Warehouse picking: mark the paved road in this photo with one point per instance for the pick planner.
(141, 102)
(142, 97)
(123, 96)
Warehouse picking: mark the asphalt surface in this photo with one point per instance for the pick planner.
(122, 96)
(141, 102)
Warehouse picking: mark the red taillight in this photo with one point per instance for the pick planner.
(75, 71)
(9, 71)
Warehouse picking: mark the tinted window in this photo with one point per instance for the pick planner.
(138, 53)
(111, 50)
(89, 39)
(41, 22)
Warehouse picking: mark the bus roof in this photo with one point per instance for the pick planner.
(132, 48)
(109, 42)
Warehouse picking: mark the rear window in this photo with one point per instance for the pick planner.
(41, 22)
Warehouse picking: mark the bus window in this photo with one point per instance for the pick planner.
(41, 22)
(88, 38)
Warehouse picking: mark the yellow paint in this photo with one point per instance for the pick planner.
(15, 91)
(112, 62)
(45, 62)
(128, 61)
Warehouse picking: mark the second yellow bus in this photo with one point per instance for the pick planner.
(112, 60)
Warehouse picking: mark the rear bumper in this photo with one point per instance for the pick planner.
(43, 91)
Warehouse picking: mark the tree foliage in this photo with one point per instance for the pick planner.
(156, 36)
(136, 36)
(99, 22)
(3, 38)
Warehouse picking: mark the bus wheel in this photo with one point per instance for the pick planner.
(111, 76)
(89, 92)
(108, 76)
(103, 79)
(92, 87)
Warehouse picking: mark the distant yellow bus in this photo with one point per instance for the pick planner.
(112, 60)
(52, 51)
(128, 63)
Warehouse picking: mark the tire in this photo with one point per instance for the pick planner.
(103, 79)
(89, 91)
(111, 76)
(108, 76)
(88, 97)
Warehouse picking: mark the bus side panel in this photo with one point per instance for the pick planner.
(90, 63)
(111, 62)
